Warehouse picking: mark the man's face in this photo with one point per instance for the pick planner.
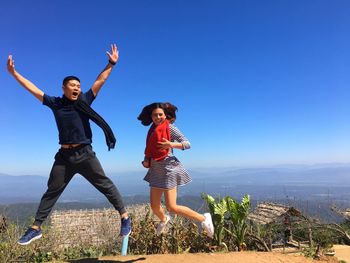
(72, 89)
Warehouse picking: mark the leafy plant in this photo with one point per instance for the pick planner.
(325, 237)
(218, 209)
(309, 252)
(238, 216)
(40, 256)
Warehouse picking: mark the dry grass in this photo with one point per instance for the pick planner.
(182, 235)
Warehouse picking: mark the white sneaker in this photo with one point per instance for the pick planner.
(207, 225)
(161, 226)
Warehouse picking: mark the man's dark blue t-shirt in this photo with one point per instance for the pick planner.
(73, 126)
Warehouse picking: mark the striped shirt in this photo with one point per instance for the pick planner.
(169, 173)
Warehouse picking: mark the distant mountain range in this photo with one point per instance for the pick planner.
(298, 181)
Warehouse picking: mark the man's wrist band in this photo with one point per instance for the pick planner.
(112, 63)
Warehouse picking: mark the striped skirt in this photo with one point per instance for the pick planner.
(167, 174)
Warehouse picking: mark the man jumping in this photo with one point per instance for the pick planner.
(72, 113)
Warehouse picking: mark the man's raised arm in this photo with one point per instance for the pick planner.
(38, 93)
(103, 76)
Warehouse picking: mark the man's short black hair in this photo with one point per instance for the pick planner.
(68, 78)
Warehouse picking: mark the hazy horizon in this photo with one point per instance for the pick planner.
(208, 169)
(298, 182)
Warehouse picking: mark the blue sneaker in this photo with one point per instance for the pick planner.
(30, 235)
(125, 227)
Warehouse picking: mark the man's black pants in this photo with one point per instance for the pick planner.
(68, 162)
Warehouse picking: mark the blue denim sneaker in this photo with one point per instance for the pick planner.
(30, 235)
(125, 227)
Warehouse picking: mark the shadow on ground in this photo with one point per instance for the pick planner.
(96, 260)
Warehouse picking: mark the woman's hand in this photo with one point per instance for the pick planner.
(146, 163)
(165, 144)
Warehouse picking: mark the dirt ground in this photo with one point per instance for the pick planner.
(233, 257)
(342, 252)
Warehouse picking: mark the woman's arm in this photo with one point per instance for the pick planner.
(178, 140)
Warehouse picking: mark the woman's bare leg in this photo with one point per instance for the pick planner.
(170, 201)
(155, 200)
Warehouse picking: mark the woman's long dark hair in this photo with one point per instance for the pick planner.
(146, 114)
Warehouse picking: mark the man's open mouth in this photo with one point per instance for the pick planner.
(75, 93)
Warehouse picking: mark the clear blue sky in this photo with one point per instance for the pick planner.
(256, 82)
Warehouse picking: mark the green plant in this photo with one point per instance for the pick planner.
(324, 237)
(181, 236)
(309, 252)
(41, 256)
(218, 209)
(238, 216)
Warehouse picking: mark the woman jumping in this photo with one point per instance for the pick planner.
(165, 172)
